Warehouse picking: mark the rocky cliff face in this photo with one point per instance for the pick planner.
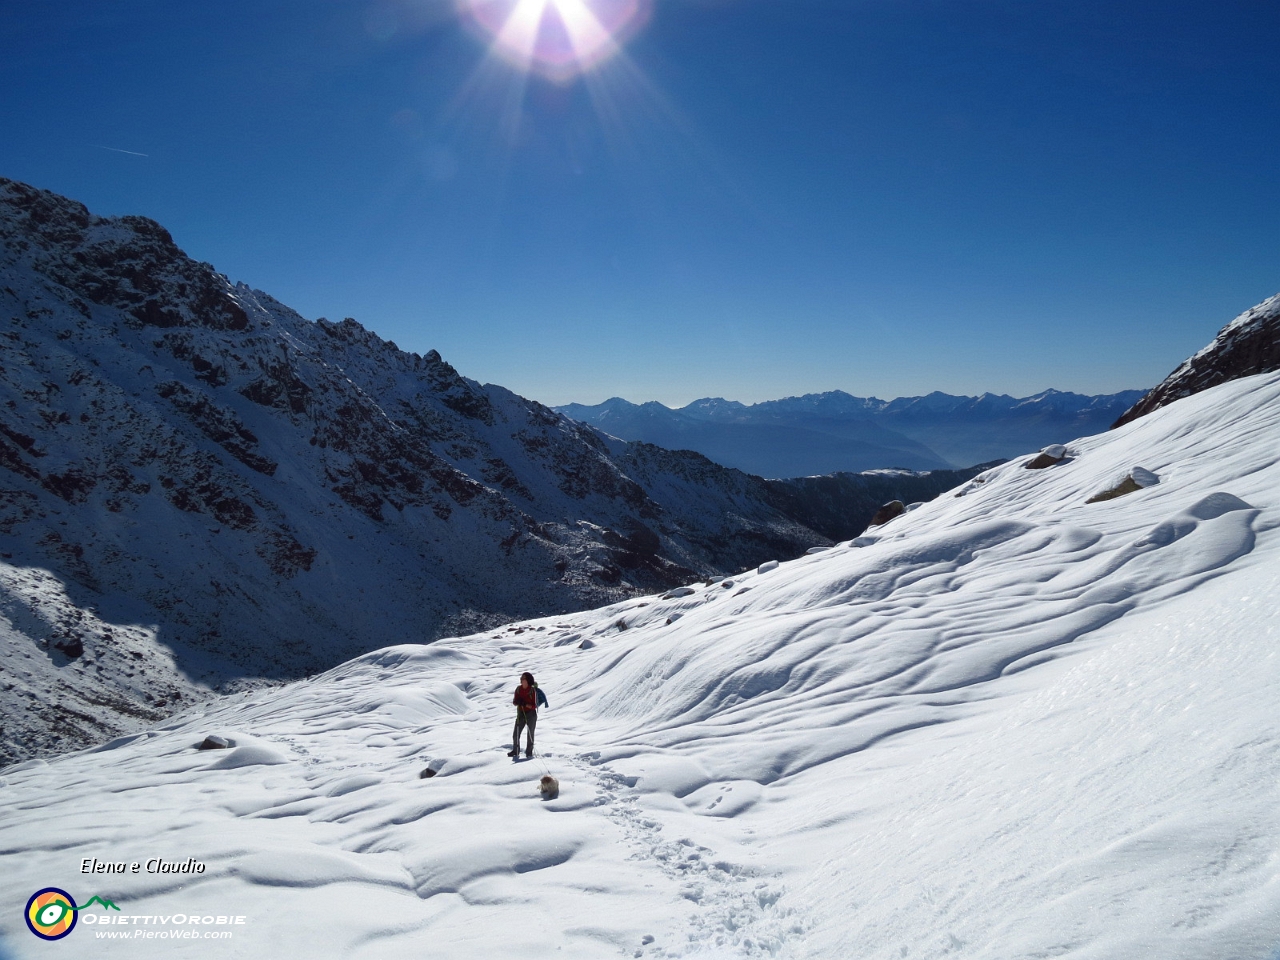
(1247, 345)
(199, 485)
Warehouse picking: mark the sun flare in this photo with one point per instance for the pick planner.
(559, 39)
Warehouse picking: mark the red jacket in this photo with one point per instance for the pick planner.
(526, 698)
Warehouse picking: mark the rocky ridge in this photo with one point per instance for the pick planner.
(1247, 345)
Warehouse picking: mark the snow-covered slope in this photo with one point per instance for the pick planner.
(1013, 723)
(1248, 345)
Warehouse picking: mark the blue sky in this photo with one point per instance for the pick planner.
(754, 198)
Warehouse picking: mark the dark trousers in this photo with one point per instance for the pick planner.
(524, 718)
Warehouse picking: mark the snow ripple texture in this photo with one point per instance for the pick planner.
(1008, 724)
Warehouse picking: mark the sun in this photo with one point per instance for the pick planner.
(558, 39)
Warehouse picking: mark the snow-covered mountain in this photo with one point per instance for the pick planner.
(199, 487)
(829, 432)
(1247, 345)
(196, 483)
(1036, 717)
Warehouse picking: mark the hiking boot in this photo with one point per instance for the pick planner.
(513, 753)
(528, 754)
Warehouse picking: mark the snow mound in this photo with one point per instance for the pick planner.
(248, 756)
(1143, 477)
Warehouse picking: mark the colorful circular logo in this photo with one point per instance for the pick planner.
(51, 913)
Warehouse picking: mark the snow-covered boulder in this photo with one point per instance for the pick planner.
(1138, 478)
(1051, 455)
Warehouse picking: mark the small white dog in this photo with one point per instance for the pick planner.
(549, 787)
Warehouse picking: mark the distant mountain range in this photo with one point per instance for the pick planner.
(823, 433)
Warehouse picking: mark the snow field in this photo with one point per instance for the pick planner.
(1006, 724)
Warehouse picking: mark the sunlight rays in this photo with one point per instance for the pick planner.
(558, 39)
(558, 85)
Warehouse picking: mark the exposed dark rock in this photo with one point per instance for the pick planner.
(72, 486)
(456, 393)
(285, 555)
(1137, 479)
(214, 742)
(27, 444)
(220, 425)
(894, 508)
(1042, 460)
(71, 646)
(1127, 485)
(278, 388)
(1248, 345)
(137, 268)
(11, 460)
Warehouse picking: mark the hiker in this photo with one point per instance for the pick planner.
(527, 699)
